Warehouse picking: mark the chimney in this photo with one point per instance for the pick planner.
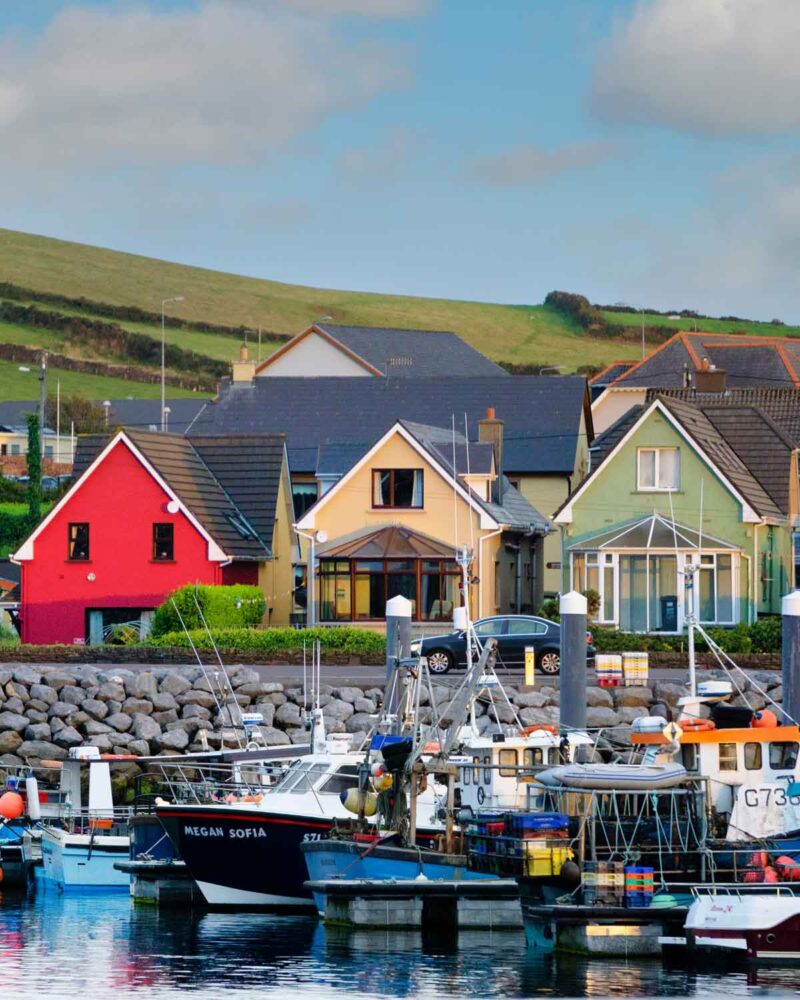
(490, 431)
(709, 378)
(244, 370)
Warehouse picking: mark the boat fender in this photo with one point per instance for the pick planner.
(32, 795)
(12, 805)
(1, 876)
(788, 868)
(770, 875)
(349, 799)
(764, 720)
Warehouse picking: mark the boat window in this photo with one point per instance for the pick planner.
(476, 774)
(342, 781)
(465, 774)
(308, 779)
(727, 757)
(508, 763)
(487, 771)
(782, 756)
(291, 775)
(752, 756)
(689, 755)
(533, 756)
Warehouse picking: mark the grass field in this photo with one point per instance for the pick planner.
(525, 334)
(15, 384)
(534, 335)
(758, 329)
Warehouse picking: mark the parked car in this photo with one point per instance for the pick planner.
(512, 632)
(49, 484)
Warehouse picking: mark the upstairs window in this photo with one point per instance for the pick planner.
(78, 542)
(397, 488)
(659, 469)
(163, 542)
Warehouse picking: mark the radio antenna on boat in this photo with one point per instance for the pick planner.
(455, 479)
(199, 659)
(687, 573)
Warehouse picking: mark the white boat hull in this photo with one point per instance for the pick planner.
(77, 861)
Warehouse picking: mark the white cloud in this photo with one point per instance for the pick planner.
(363, 8)
(222, 82)
(705, 66)
(529, 164)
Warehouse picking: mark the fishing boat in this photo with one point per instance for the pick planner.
(80, 849)
(754, 923)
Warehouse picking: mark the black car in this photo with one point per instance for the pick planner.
(512, 632)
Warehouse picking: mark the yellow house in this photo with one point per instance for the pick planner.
(394, 522)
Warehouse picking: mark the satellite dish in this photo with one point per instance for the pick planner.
(173, 507)
(322, 536)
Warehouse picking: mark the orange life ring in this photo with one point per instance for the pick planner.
(696, 725)
(545, 728)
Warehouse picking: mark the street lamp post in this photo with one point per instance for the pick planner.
(172, 298)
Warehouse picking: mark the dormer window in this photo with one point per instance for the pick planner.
(397, 488)
(659, 469)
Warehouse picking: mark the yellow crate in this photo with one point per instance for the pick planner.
(546, 861)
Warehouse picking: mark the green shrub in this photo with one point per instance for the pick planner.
(229, 607)
(763, 636)
(337, 639)
(766, 634)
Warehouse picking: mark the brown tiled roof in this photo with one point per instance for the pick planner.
(781, 405)
(229, 484)
(716, 446)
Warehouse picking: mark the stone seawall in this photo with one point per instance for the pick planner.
(46, 711)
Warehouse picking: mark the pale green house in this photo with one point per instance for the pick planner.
(685, 502)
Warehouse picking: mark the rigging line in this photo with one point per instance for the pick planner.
(719, 650)
(222, 668)
(198, 657)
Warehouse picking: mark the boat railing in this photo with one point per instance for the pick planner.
(198, 785)
(97, 820)
(741, 890)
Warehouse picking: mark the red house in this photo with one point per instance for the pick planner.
(150, 512)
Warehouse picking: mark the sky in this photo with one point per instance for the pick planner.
(643, 151)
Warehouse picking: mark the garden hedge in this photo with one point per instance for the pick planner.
(338, 639)
(224, 607)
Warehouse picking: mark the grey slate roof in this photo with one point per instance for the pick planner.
(230, 485)
(747, 360)
(514, 510)
(136, 413)
(414, 352)
(542, 414)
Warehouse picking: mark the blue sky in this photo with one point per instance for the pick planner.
(637, 151)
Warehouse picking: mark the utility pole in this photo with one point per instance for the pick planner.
(42, 399)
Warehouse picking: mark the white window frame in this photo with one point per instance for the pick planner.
(684, 559)
(657, 468)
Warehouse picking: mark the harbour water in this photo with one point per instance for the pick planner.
(101, 946)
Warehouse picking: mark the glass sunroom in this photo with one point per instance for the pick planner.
(638, 571)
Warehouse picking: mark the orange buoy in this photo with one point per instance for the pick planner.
(770, 875)
(764, 720)
(696, 725)
(12, 805)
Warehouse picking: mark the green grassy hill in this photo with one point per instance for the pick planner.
(534, 335)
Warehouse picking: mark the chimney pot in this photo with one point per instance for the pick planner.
(243, 353)
(490, 413)
(490, 431)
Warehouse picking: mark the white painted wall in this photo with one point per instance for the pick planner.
(311, 357)
(613, 404)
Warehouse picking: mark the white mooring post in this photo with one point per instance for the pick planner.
(398, 642)
(572, 608)
(790, 653)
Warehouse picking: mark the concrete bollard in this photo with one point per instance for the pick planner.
(790, 654)
(572, 608)
(398, 637)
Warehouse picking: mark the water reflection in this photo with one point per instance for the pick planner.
(101, 946)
